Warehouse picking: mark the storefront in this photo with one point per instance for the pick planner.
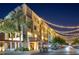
(33, 44)
(9, 45)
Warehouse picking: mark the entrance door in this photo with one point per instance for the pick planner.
(1, 46)
(34, 46)
(31, 46)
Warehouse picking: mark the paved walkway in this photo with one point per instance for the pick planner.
(18, 52)
(59, 52)
(53, 52)
(13, 53)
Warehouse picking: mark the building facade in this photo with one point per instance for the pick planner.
(38, 34)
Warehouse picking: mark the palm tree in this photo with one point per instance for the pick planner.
(75, 41)
(20, 20)
(16, 22)
(8, 27)
(58, 41)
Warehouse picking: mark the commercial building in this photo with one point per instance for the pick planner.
(37, 35)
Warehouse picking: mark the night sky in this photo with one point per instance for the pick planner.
(61, 14)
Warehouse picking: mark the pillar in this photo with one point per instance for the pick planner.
(15, 45)
(10, 45)
(18, 44)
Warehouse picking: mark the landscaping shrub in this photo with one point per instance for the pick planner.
(22, 49)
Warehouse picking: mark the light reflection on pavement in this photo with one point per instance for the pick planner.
(60, 52)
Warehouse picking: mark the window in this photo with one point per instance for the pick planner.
(34, 27)
(9, 35)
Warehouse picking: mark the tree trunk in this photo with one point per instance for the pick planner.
(21, 36)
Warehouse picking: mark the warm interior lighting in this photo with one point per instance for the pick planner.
(35, 36)
(35, 46)
(0, 48)
(29, 34)
(42, 37)
(29, 47)
(18, 39)
(56, 34)
(46, 39)
(3, 49)
(50, 29)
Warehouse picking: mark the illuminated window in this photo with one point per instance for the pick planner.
(42, 37)
(35, 36)
(29, 34)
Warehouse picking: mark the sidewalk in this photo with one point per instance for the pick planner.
(18, 52)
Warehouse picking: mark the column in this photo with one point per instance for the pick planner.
(6, 36)
(18, 45)
(15, 45)
(10, 45)
(29, 45)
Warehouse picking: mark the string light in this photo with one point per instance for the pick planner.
(65, 33)
(69, 27)
(68, 34)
